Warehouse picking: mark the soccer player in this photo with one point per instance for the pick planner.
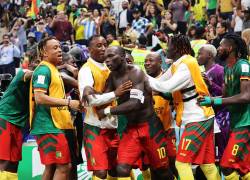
(162, 107)
(236, 157)
(144, 129)
(184, 81)
(50, 118)
(214, 78)
(100, 135)
(14, 113)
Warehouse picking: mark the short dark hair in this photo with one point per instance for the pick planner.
(239, 45)
(43, 42)
(92, 38)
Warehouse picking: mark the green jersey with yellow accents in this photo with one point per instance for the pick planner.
(42, 121)
(239, 113)
(14, 105)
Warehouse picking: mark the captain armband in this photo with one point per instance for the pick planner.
(137, 94)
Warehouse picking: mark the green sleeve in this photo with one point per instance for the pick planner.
(243, 69)
(41, 78)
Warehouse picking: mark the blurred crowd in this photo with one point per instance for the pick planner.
(144, 24)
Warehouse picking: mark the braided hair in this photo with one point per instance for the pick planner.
(239, 45)
(182, 44)
(41, 45)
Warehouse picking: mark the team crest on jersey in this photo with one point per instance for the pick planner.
(58, 154)
(93, 161)
(245, 68)
(40, 79)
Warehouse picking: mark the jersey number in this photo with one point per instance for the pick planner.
(185, 143)
(161, 152)
(235, 149)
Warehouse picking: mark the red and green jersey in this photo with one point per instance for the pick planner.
(42, 121)
(239, 113)
(14, 105)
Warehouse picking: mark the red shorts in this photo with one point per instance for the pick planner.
(100, 147)
(197, 143)
(146, 137)
(53, 149)
(171, 142)
(11, 140)
(237, 152)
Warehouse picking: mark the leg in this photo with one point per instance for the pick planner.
(184, 170)
(49, 172)
(73, 172)
(123, 170)
(210, 171)
(236, 155)
(96, 149)
(62, 172)
(129, 151)
(155, 146)
(101, 174)
(163, 173)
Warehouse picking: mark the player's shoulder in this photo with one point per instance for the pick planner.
(42, 69)
(243, 65)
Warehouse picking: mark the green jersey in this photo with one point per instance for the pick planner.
(211, 4)
(14, 105)
(42, 121)
(239, 113)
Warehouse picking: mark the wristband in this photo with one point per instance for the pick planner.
(107, 111)
(217, 101)
(206, 102)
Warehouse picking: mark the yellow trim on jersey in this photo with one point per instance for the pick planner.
(60, 115)
(200, 87)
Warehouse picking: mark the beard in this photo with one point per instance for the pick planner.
(223, 55)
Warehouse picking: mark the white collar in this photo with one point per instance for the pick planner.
(100, 65)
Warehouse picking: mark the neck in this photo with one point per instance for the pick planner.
(177, 56)
(209, 64)
(122, 70)
(231, 60)
(53, 63)
(156, 74)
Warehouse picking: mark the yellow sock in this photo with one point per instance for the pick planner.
(132, 175)
(96, 178)
(5, 175)
(184, 170)
(246, 177)
(233, 176)
(146, 174)
(111, 177)
(123, 178)
(210, 171)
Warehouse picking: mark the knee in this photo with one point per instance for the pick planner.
(226, 171)
(123, 170)
(50, 169)
(102, 174)
(64, 169)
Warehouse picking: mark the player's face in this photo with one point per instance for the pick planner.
(53, 52)
(224, 49)
(112, 59)
(152, 65)
(97, 49)
(202, 56)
